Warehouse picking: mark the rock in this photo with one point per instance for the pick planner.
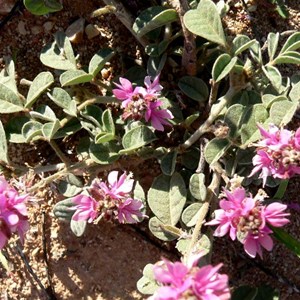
(75, 31)
(91, 31)
(48, 26)
(21, 28)
(36, 29)
(6, 6)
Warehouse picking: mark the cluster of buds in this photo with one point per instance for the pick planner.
(109, 201)
(188, 281)
(248, 220)
(13, 213)
(143, 102)
(278, 154)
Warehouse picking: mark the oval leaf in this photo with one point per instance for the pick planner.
(222, 66)
(191, 214)
(197, 186)
(10, 101)
(31, 129)
(99, 60)
(194, 87)
(72, 77)
(215, 149)
(42, 7)
(78, 227)
(156, 227)
(168, 163)
(3, 144)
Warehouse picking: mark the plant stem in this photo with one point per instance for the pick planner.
(215, 112)
(212, 192)
(59, 153)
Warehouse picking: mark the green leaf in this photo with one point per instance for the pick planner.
(156, 227)
(43, 112)
(190, 158)
(63, 209)
(249, 131)
(70, 128)
(59, 54)
(197, 186)
(166, 198)
(14, 129)
(287, 240)
(194, 87)
(233, 119)
(78, 227)
(61, 98)
(291, 44)
(49, 129)
(272, 40)
(269, 99)
(3, 145)
(289, 57)
(191, 214)
(93, 113)
(67, 189)
(38, 7)
(281, 113)
(152, 18)
(222, 66)
(8, 74)
(103, 153)
(206, 22)
(99, 60)
(103, 137)
(108, 122)
(168, 163)
(241, 43)
(10, 101)
(72, 77)
(215, 149)
(147, 285)
(31, 130)
(137, 138)
(255, 51)
(294, 93)
(267, 293)
(274, 76)
(40, 83)
(244, 293)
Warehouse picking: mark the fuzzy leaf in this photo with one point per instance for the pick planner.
(294, 93)
(72, 77)
(222, 66)
(215, 149)
(102, 153)
(156, 227)
(191, 214)
(195, 88)
(67, 189)
(166, 198)
(241, 43)
(147, 285)
(43, 112)
(63, 209)
(233, 118)
(40, 83)
(39, 8)
(10, 101)
(274, 76)
(3, 144)
(137, 138)
(31, 130)
(14, 129)
(59, 54)
(99, 60)
(49, 129)
(108, 122)
(289, 57)
(205, 21)
(197, 186)
(292, 43)
(273, 39)
(152, 18)
(78, 227)
(61, 98)
(168, 163)
(281, 113)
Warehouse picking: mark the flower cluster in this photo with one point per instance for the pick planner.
(142, 102)
(180, 281)
(13, 213)
(109, 201)
(278, 154)
(247, 219)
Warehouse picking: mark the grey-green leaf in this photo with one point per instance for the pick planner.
(194, 87)
(274, 76)
(31, 130)
(3, 145)
(205, 21)
(292, 43)
(168, 163)
(10, 101)
(61, 98)
(191, 214)
(78, 227)
(156, 227)
(99, 60)
(197, 186)
(137, 137)
(222, 66)
(63, 209)
(49, 129)
(289, 57)
(43, 112)
(167, 197)
(215, 149)
(281, 113)
(40, 83)
(241, 43)
(147, 285)
(233, 118)
(152, 18)
(102, 153)
(72, 77)
(273, 39)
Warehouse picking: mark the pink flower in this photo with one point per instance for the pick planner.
(130, 211)
(158, 117)
(278, 154)
(116, 188)
(141, 102)
(247, 219)
(189, 282)
(86, 208)
(13, 212)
